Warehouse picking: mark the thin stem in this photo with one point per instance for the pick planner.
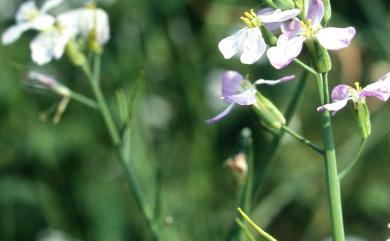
(263, 233)
(102, 102)
(305, 66)
(84, 100)
(333, 182)
(352, 163)
(134, 187)
(302, 139)
(247, 233)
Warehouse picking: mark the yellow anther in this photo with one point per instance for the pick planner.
(308, 30)
(357, 86)
(91, 5)
(250, 19)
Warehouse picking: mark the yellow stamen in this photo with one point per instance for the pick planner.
(357, 86)
(91, 5)
(250, 19)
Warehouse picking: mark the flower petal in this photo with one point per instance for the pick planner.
(221, 115)
(26, 9)
(42, 47)
(230, 46)
(248, 97)
(275, 82)
(315, 12)
(231, 83)
(336, 38)
(43, 22)
(49, 4)
(13, 33)
(253, 46)
(335, 106)
(285, 51)
(380, 89)
(341, 92)
(291, 28)
(278, 15)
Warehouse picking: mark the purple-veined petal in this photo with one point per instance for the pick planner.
(253, 46)
(341, 92)
(275, 82)
(231, 83)
(221, 115)
(380, 89)
(49, 4)
(335, 106)
(248, 97)
(291, 28)
(14, 32)
(285, 51)
(336, 38)
(279, 15)
(270, 26)
(315, 12)
(230, 46)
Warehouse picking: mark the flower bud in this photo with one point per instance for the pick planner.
(327, 12)
(75, 54)
(268, 36)
(320, 56)
(271, 117)
(363, 117)
(238, 165)
(39, 80)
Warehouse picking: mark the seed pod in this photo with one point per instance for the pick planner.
(320, 56)
(327, 12)
(363, 118)
(268, 36)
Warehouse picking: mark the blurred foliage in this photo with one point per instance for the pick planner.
(63, 180)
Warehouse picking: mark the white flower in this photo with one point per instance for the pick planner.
(249, 41)
(88, 21)
(30, 17)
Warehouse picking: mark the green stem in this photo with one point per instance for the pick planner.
(101, 101)
(84, 100)
(115, 137)
(305, 66)
(246, 231)
(302, 139)
(333, 182)
(259, 230)
(351, 164)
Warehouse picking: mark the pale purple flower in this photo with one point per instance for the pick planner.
(295, 32)
(40, 80)
(236, 90)
(248, 41)
(341, 94)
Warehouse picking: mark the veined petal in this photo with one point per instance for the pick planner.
(248, 97)
(270, 26)
(341, 92)
(335, 38)
(221, 115)
(285, 51)
(26, 11)
(230, 46)
(291, 28)
(14, 32)
(380, 89)
(231, 83)
(275, 82)
(49, 4)
(253, 46)
(278, 15)
(335, 106)
(315, 12)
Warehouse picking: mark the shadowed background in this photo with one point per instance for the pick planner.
(64, 181)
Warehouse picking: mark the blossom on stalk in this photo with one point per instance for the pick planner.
(236, 90)
(341, 94)
(248, 41)
(40, 80)
(295, 32)
(30, 17)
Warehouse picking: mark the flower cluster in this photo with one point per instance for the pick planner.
(249, 41)
(55, 32)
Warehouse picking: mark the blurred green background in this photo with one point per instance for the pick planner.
(63, 181)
